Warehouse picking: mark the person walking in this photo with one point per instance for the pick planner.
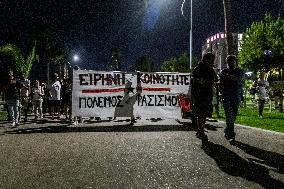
(37, 99)
(231, 89)
(25, 99)
(203, 78)
(261, 92)
(55, 96)
(12, 97)
(67, 98)
(45, 98)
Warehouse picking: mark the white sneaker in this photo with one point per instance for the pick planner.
(13, 124)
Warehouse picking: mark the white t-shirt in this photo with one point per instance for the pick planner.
(55, 91)
(261, 89)
(25, 90)
(37, 93)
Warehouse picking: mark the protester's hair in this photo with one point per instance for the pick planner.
(11, 77)
(208, 56)
(262, 74)
(231, 58)
(55, 76)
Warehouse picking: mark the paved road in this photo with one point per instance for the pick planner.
(151, 154)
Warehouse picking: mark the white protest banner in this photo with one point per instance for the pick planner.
(98, 93)
(115, 94)
(160, 94)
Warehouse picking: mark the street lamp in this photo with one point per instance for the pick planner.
(267, 55)
(75, 58)
(190, 37)
(190, 32)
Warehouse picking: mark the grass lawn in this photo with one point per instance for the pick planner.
(3, 115)
(273, 121)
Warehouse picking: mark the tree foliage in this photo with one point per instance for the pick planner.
(178, 64)
(261, 37)
(22, 65)
(144, 64)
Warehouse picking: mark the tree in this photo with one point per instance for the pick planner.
(6, 64)
(116, 59)
(263, 45)
(228, 25)
(179, 64)
(143, 64)
(23, 66)
(59, 62)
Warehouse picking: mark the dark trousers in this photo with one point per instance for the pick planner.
(260, 106)
(231, 111)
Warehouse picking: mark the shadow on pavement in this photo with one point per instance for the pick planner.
(232, 164)
(212, 127)
(269, 158)
(121, 128)
(39, 121)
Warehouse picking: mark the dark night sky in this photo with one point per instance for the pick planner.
(91, 28)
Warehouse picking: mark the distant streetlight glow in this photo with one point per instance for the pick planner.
(248, 73)
(75, 58)
(268, 52)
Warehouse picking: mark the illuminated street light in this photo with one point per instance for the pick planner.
(267, 52)
(75, 58)
(249, 74)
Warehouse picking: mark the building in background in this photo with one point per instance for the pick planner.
(217, 45)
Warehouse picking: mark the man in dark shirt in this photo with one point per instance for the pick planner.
(12, 98)
(231, 89)
(203, 79)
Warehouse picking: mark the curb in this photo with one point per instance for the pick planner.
(255, 128)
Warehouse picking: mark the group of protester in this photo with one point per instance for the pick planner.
(40, 98)
(205, 88)
(203, 80)
(55, 97)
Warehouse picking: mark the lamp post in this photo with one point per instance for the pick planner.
(190, 37)
(76, 58)
(267, 55)
(190, 31)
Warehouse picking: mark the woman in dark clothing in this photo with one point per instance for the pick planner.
(204, 77)
(67, 98)
(12, 97)
(231, 89)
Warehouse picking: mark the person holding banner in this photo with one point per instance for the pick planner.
(203, 79)
(126, 108)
